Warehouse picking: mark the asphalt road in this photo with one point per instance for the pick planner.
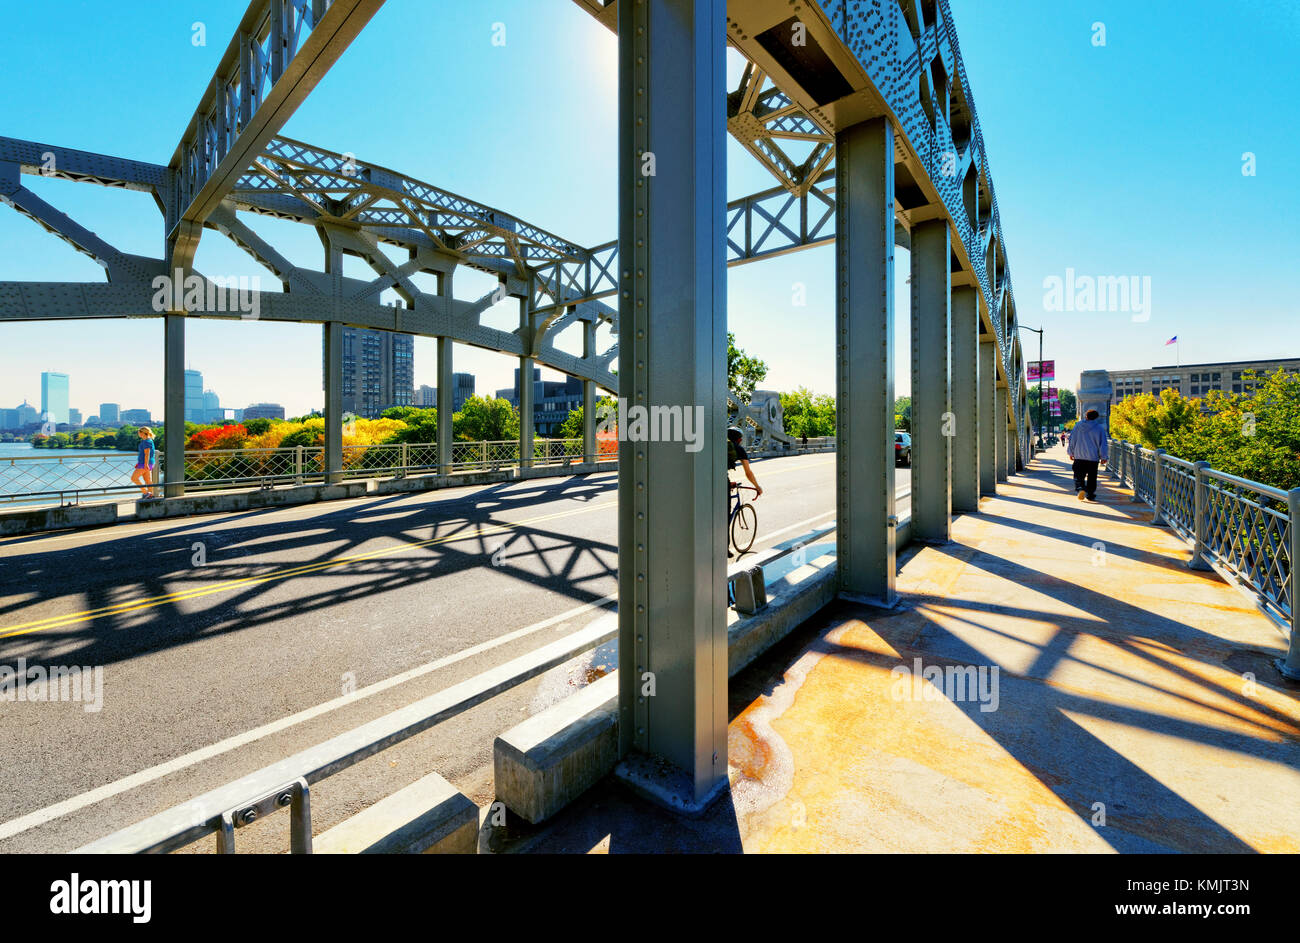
(228, 642)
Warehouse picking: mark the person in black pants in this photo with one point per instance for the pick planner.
(1087, 449)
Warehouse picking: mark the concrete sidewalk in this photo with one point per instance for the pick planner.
(1134, 708)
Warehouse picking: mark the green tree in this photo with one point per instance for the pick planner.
(421, 424)
(806, 413)
(1254, 435)
(106, 441)
(255, 427)
(486, 418)
(128, 438)
(1148, 419)
(744, 372)
(903, 413)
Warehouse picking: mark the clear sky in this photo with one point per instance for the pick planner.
(1123, 159)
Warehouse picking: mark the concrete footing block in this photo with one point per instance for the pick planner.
(550, 759)
(430, 816)
(544, 763)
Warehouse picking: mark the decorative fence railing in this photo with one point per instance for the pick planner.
(1244, 529)
(49, 477)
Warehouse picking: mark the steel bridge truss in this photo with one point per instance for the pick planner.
(863, 113)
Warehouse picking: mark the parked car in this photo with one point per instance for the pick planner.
(902, 448)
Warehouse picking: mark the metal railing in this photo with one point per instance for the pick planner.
(1244, 529)
(49, 477)
(71, 479)
(286, 784)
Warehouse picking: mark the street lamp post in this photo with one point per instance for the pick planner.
(1039, 332)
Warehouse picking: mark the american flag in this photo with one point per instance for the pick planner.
(1172, 340)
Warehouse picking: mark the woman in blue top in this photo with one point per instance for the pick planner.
(146, 458)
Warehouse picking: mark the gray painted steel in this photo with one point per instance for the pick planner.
(445, 403)
(672, 353)
(932, 418)
(174, 405)
(988, 407)
(866, 541)
(1001, 449)
(965, 399)
(332, 343)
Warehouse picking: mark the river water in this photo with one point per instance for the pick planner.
(24, 470)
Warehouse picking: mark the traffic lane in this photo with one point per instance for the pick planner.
(67, 588)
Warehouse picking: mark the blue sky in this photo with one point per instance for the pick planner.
(1122, 159)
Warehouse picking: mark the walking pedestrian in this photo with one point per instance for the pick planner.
(1087, 449)
(146, 459)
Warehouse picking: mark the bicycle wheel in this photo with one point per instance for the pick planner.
(744, 528)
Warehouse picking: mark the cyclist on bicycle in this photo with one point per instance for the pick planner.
(736, 453)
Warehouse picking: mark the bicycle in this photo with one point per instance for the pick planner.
(742, 520)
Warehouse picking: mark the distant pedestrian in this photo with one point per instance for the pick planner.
(146, 459)
(1087, 448)
(804, 439)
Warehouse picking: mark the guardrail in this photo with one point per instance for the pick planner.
(1243, 529)
(286, 784)
(50, 476)
(72, 479)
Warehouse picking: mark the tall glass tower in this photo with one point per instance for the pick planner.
(54, 397)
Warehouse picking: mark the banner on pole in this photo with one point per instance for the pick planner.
(1041, 370)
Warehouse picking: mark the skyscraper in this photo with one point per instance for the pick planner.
(108, 413)
(378, 371)
(212, 411)
(194, 396)
(54, 397)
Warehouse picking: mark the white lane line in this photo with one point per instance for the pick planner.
(99, 794)
(796, 526)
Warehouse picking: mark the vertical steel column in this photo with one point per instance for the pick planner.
(988, 410)
(588, 395)
(446, 403)
(866, 535)
(932, 418)
(672, 356)
(173, 405)
(333, 341)
(526, 386)
(1290, 667)
(965, 400)
(1000, 424)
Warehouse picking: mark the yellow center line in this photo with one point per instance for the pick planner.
(152, 601)
(52, 622)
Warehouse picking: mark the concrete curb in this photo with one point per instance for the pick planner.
(430, 816)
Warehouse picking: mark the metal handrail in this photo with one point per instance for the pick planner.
(1246, 530)
(286, 784)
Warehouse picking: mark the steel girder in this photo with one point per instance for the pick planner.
(280, 51)
(858, 59)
